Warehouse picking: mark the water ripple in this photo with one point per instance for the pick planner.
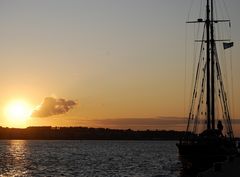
(89, 158)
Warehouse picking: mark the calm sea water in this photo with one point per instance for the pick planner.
(89, 158)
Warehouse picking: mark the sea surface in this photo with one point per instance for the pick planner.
(89, 158)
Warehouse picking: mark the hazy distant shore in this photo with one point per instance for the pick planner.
(84, 133)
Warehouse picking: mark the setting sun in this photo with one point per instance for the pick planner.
(17, 112)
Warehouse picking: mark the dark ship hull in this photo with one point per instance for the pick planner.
(201, 152)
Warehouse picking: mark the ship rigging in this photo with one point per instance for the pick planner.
(208, 95)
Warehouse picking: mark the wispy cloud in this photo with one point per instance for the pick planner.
(53, 106)
(161, 123)
(167, 123)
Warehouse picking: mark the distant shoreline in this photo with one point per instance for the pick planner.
(85, 133)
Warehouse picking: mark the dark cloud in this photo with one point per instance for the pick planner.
(53, 106)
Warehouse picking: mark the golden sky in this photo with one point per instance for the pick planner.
(114, 59)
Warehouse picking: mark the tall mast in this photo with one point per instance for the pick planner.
(212, 68)
(208, 66)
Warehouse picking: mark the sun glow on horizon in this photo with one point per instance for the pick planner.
(17, 112)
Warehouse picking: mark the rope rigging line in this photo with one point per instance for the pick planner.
(224, 100)
(228, 78)
(194, 92)
(200, 100)
(195, 47)
(185, 60)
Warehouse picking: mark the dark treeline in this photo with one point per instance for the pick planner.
(83, 133)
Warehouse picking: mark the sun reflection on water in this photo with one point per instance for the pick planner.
(13, 158)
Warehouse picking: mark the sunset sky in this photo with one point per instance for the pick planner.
(105, 62)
